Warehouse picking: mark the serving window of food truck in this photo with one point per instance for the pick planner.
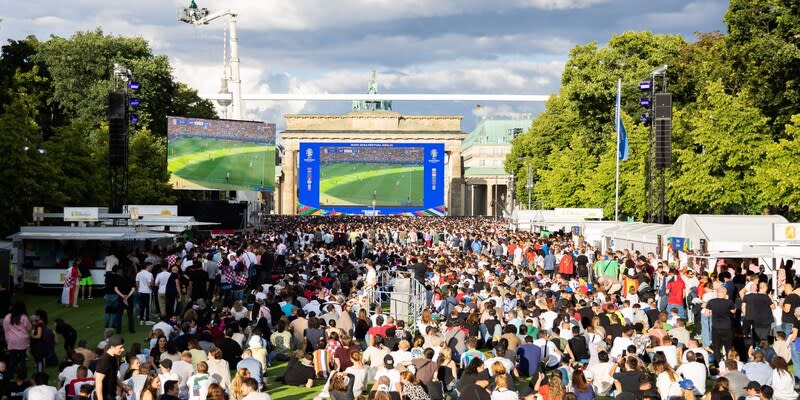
(45, 252)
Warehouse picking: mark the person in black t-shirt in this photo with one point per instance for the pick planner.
(198, 282)
(14, 390)
(626, 377)
(790, 302)
(106, 373)
(125, 290)
(757, 310)
(722, 309)
(578, 347)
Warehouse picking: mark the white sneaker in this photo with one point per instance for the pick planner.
(149, 323)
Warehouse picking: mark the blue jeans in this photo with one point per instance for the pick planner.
(786, 327)
(681, 309)
(110, 320)
(705, 323)
(795, 360)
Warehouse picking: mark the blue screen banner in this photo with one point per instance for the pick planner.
(371, 179)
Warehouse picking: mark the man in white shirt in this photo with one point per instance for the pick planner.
(162, 279)
(165, 327)
(40, 389)
(183, 369)
(693, 346)
(371, 281)
(693, 371)
(110, 261)
(165, 374)
(198, 383)
(71, 372)
(144, 283)
(621, 343)
(598, 375)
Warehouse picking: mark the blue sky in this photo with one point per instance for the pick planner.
(307, 46)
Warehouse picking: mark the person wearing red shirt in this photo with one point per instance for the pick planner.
(675, 289)
(566, 266)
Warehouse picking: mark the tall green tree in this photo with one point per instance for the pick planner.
(82, 70)
(777, 176)
(763, 46)
(721, 141)
(148, 181)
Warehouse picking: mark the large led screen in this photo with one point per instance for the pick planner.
(365, 178)
(205, 154)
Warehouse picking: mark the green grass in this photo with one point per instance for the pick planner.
(198, 163)
(391, 185)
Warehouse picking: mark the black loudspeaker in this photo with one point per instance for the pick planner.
(662, 107)
(117, 141)
(663, 142)
(116, 105)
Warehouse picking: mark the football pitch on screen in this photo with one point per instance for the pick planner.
(199, 163)
(355, 184)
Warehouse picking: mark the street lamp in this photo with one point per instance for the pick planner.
(529, 186)
(201, 16)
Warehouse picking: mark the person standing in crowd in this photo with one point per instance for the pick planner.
(69, 293)
(144, 285)
(106, 379)
(721, 310)
(16, 326)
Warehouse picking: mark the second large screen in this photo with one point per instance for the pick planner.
(354, 177)
(205, 154)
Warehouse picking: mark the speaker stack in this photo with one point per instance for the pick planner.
(662, 113)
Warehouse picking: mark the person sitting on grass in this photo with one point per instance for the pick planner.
(299, 371)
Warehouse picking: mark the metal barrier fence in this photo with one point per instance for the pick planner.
(405, 296)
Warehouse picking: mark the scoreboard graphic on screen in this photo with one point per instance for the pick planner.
(371, 178)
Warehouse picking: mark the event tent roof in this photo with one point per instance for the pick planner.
(637, 232)
(725, 228)
(113, 234)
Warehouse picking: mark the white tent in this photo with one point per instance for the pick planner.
(724, 233)
(636, 236)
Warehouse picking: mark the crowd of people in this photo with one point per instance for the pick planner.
(372, 155)
(508, 315)
(246, 131)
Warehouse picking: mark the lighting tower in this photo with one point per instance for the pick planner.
(201, 16)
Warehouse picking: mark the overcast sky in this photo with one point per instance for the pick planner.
(439, 46)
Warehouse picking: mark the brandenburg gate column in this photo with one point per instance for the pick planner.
(289, 184)
(455, 197)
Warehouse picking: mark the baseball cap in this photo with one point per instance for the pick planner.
(116, 340)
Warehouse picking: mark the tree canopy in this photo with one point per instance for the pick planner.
(53, 100)
(736, 112)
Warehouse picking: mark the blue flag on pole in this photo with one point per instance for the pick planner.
(622, 137)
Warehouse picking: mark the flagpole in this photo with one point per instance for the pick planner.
(617, 120)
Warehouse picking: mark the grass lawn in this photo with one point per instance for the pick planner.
(199, 163)
(392, 185)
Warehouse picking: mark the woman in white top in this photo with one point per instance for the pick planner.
(502, 391)
(666, 381)
(782, 381)
(218, 369)
(359, 372)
